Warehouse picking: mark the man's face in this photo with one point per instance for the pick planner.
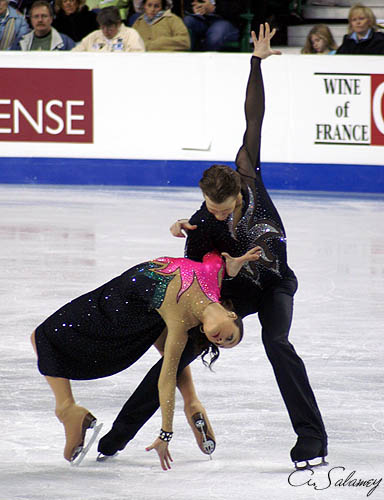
(41, 20)
(3, 7)
(220, 210)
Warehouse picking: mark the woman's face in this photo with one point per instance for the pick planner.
(360, 24)
(70, 6)
(152, 7)
(221, 330)
(318, 44)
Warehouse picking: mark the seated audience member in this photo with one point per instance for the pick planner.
(122, 5)
(112, 36)
(211, 24)
(138, 9)
(362, 37)
(74, 19)
(160, 29)
(320, 41)
(43, 36)
(13, 26)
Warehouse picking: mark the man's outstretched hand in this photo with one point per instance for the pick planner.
(262, 44)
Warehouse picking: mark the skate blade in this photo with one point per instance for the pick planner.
(81, 451)
(311, 464)
(105, 458)
(208, 444)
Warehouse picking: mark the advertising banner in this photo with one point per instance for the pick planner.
(46, 105)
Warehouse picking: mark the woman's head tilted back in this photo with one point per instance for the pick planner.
(221, 187)
(222, 328)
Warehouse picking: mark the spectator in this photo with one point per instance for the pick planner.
(112, 36)
(160, 29)
(74, 19)
(362, 37)
(13, 26)
(320, 41)
(138, 9)
(123, 5)
(43, 36)
(211, 23)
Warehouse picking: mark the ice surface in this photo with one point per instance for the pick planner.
(58, 242)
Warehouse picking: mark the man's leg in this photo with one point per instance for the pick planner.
(275, 314)
(140, 407)
(197, 27)
(219, 32)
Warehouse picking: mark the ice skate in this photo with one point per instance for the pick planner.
(76, 420)
(110, 444)
(308, 453)
(203, 432)
(104, 458)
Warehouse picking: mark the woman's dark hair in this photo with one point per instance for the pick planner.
(109, 16)
(220, 182)
(205, 348)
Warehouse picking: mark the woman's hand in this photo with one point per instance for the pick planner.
(262, 45)
(162, 450)
(179, 227)
(234, 264)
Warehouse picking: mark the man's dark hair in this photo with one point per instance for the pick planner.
(109, 16)
(220, 182)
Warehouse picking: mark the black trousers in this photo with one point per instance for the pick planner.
(274, 306)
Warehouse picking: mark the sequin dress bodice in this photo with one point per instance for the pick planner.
(162, 270)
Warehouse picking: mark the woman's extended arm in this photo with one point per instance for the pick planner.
(174, 347)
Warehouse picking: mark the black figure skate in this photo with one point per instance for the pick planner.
(110, 444)
(308, 453)
(203, 433)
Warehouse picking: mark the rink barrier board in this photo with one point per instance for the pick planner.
(175, 173)
(73, 123)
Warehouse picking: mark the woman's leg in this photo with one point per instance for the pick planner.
(76, 419)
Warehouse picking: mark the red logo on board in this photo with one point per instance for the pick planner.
(377, 110)
(46, 105)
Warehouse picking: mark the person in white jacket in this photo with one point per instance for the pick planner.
(112, 36)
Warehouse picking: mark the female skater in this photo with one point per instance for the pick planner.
(110, 328)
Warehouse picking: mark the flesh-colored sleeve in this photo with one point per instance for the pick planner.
(174, 347)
